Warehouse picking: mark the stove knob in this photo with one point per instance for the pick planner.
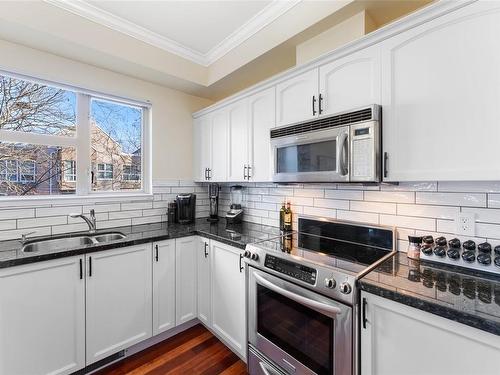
(254, 256)
(484, 247)
(469, 245)
(247, 254)
(441, 241)
(469, 256)
(330, 283)
(345, 288)
(454, 243)
(440, 251)
(484, 258)
(454, 253)
(497, 261)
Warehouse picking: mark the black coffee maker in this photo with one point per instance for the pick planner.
(186, 205)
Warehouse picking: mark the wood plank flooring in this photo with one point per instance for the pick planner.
(194, 351)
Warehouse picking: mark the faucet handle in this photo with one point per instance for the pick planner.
(24, 236)
(92, 213)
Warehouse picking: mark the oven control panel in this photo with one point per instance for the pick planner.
(292, 269)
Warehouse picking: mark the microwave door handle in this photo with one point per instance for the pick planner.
(341, 158)
(330, 310)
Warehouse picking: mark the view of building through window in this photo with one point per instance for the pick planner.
(46, 166)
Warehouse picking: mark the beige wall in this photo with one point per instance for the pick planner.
(171, 113)
(351, 29)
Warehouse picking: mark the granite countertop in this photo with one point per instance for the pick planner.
(238, 235)
(462, 295)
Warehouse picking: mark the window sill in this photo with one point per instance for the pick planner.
(13, 201)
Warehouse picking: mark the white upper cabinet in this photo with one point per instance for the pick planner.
(218, 146)
(238, 141)
(262, 118)
(204, 279)
(186, 281)
(440, 95)
(201, 148)
(297, 98)
(228, 296)
(118, 300)
(163, 286)
(42, 318)
(350, 82)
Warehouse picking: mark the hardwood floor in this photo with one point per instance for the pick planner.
(194, 351)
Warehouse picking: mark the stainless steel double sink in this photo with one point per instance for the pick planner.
(70, 242)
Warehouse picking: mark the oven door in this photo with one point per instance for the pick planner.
(320, 156)
(299, 330)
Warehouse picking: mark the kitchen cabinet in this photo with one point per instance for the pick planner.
(297, 98)
(440, 96)
(204, 295)
(350, 82)
(42, 318)
(218, 146)
(228, 296)
(185, 279)
(118, 299)
(399, 339)
(201, 148)
(163, 286)
(262, 118)
(238, 141)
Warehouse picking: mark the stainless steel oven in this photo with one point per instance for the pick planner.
(341, 148)
(300, 331)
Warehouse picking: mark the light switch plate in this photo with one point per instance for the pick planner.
(465, 224)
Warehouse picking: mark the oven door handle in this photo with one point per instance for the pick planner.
(332, 310)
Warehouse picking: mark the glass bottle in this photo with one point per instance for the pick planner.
(414, 245)
(288, 217)
(282, 216)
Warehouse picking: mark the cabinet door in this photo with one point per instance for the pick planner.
(262, 118)
(297, 98)
(119, 300)
(395, 334)
(201, 147)
(228, 296)
(440, 97)
(219, 154)
(163, 286)
(185, 279)
(203, 290)
(350, 82)
(238, 141)
(42, 318)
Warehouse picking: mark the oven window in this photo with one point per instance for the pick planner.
(312, 157)
(305, 334)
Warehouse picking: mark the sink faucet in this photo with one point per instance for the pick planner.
(24, 237)
(90, 222)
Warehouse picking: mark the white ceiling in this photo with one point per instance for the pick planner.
(201, 31)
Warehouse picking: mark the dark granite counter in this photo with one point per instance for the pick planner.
(235, 235)
(467, 297)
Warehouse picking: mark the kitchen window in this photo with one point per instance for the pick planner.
(51, 133)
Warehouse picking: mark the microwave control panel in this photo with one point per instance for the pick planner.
(291, 269)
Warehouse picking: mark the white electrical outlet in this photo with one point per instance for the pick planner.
(465, 224)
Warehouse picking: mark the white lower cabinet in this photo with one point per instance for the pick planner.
(399, 339)
(228, 296)
(185, 279)
(163, 286)
(204, 279)
(118, 300)
(42, 318)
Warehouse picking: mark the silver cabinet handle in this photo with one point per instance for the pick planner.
(314, 105)
(297, 298)
(248, 173)
(245, 172)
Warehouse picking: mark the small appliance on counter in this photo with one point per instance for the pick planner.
(186, 206)
(213, 196)
(235, 213)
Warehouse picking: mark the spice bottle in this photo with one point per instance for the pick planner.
(288, 217)
(282, 216)
(414, 244)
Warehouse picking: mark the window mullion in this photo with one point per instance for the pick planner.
(83, 135)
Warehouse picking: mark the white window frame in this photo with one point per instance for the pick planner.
(81, 141)
(137, 173)
(107, 168)
(20, 174)
(72, 171)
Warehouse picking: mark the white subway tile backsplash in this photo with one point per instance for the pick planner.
(302, 201)
(408, 222)
(355, 195)
(56, 211)
(360, 217)
(136, 205)
(378, 207)
(484, 215)
(390, 196)
(102, 208)
(19, 213)
(311, 193)
(7, 224)
(146, 220)
(68, 228)
(41, 222)
(16, 234)
(439, 212)
(494, 200)
(331, 203)
(321, 212)
(452, 199)
(488, 230)
(114, 223)
(125, 214)
(446, 226)
(470, 186)
(410, 186)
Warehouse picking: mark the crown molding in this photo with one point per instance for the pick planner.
(263, 18)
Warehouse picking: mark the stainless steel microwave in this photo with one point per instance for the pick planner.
(344, 147)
